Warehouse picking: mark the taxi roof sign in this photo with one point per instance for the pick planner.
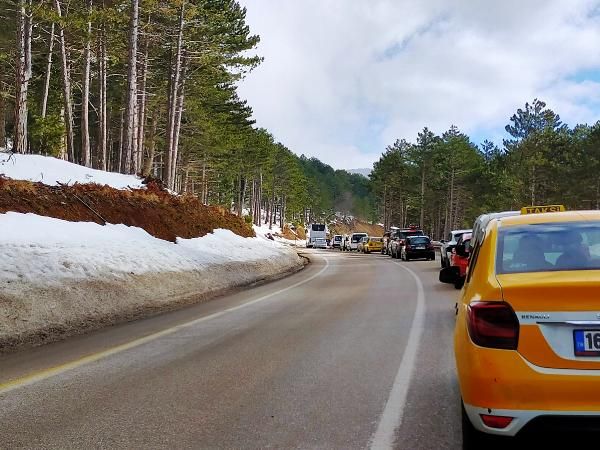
(542, 209)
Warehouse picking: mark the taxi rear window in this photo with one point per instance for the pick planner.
(549, 247)
(375, 239)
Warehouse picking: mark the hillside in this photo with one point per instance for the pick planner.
(352, 225)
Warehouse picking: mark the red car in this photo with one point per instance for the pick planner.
(459, 261)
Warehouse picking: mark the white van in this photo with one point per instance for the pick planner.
(355, 239)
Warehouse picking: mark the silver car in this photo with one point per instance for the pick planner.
(320, 243)
(448, 244)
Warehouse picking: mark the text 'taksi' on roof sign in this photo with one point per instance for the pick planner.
(542, 209)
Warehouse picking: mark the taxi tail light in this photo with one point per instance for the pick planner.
(498, 422)
(493, 325)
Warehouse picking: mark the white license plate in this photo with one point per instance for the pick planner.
(420, 247)
(587, 342)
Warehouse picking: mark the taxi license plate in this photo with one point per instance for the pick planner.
(587, 342)
(420, 247)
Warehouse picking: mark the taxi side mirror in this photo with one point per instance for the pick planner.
(449, 275)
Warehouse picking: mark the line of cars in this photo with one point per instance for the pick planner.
(403, 243)
(408, 243)
(527, 333)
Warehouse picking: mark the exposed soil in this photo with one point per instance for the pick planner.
(154, 209)
(356, 226)
(290, 234)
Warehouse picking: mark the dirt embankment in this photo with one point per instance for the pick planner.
(161, 214)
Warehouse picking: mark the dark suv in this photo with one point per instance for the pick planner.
(417, 247)
(398, 237)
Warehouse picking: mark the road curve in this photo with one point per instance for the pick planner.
(332, 357)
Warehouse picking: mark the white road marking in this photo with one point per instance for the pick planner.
(392, 415)
(36, 377)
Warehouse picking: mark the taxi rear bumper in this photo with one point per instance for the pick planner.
(503, 383)
(535, 420)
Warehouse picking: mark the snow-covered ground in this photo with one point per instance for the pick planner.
(59, 277)
(51, 171)
(41, 249)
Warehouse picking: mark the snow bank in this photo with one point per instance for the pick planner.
(59, 277)
(52, 171)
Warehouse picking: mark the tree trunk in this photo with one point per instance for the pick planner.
(272, 207)
(251, 205)
(282, 212)
(63, 145)
(260, 200)
(121, 137)
(48, 72)
(173, 100)
(24, 30)
(2, 121)
(186, 180)
(204, 185)
(451, 218)
(102, 149)
(149, 161)
(86, 157)
(130, 130)
(68, 106)
(139, 159)
(178, 115)
(422, 216)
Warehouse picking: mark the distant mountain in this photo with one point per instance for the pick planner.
(363, 172)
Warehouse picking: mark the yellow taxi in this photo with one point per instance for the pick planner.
(527, 336)
(372, 244)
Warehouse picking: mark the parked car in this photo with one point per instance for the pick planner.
(459, 261)
(387, 239)
(320, 243)
(399, 236)
(482, 222)
(336, 242)
(448, 244)
(361, 244)
(417, 247)
(372, 244)
(355, 238)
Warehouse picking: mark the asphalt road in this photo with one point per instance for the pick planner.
(355, 351)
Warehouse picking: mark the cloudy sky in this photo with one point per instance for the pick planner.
(342, 79)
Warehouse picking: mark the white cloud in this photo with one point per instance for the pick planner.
(344, 78)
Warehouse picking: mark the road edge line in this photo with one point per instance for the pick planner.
(45, 374)
(393, 413)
